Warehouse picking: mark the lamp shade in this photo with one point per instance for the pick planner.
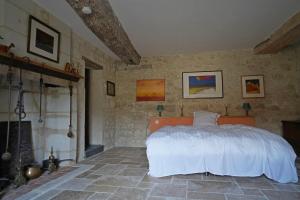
(246, 106)
(160, 108)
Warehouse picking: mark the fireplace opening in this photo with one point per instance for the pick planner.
(8, 168)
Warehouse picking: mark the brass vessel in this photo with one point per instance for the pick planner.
(33, 172)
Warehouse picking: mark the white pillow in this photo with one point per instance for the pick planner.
(204, 118)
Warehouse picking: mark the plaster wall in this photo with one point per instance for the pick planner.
(282, 89)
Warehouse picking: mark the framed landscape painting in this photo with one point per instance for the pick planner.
(253, 86)
(204, 84)
(150, 90)
(43, 40)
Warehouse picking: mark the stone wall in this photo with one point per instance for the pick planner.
(52, 132)
(282, 89)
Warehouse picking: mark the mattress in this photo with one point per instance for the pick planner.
(234, 150)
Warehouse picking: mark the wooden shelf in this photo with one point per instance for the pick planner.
(37, 67)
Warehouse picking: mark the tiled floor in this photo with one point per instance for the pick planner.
(121, 174)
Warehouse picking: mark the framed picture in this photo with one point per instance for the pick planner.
(204, 84)
(150, 90)
(253, 86)
(110, 88)
(43, 40)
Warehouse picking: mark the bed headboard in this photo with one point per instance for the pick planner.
(158, 122)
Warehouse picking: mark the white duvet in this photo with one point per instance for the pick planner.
(234, 150)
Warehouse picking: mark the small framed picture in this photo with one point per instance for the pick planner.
(204, 84)
(253, 86)
(43, 40)
(110, 88)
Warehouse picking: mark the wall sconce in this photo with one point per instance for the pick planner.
(159, 109)
(246, 107)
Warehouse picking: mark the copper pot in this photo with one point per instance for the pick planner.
(33, 172)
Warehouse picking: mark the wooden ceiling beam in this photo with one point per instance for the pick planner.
(287, 34)
(106, 26)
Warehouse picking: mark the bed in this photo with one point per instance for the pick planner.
(235, 148)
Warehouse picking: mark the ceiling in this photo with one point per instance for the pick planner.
(160, 27)
(165, 27)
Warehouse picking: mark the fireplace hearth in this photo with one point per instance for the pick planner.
(8, 168)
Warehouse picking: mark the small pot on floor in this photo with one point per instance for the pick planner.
(33, 171)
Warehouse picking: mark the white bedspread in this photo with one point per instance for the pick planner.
(234, 150)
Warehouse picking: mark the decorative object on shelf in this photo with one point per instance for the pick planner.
(247, 108)
(253, 86)
(204, 84)
(181, 111)
(70, 133)
(43, 40)
(33, 171)
(110, 88)
(150, 90)
(51, 162)
(159, 109)
(6, 49)
(71, 69)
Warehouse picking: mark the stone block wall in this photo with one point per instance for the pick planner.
(14, 16)
(282, 89)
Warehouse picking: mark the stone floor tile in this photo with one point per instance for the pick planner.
(178, 181)
(165, 198)
(217, 178)
(130, 194)
(99, 196)
(145, 185)
(280, 195)
(255, 184)
(214, 187)
(75, 184)
(133, 172)
(128, 181)
(98, 166)
(110, 169)
(205, 196)
(190, 176)
(244, 197)
(169, 190)
(49, 194)
(255, 192)
(285, 187)
(101, 188)
(72, 195)
(150, 179)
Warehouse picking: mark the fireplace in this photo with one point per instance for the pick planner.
(8, 168)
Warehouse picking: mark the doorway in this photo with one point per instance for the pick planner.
(87, 108)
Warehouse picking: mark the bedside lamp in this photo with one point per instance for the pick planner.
(247, 108)
(159, 109)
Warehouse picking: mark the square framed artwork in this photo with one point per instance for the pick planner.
(110, 88)
(203, 84)
(43, 40)
(150, 90)
(253, 86)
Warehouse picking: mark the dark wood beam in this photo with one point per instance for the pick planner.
(106, 26)
(287, 34)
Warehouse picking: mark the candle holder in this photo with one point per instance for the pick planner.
(159, 109)
(247, 108)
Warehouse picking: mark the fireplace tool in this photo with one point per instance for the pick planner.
(70, 133)
(51, 162)
(7, 155)
(41, 93)
(19, 110)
